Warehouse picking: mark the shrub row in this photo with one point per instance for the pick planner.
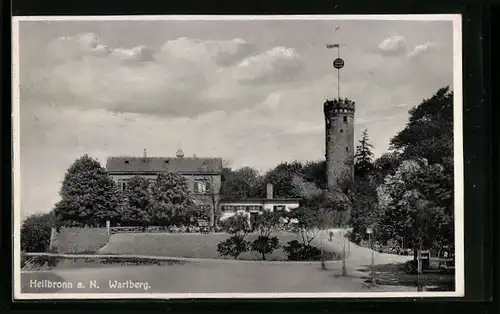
(295, 250)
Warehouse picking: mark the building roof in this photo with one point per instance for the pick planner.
(163, 164)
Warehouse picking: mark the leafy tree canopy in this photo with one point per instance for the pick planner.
(170, 197)
(89, 194)
(281, 177)
(413, 210)
(138, 202)
(240, 184)
(429, 131)
(35, 232)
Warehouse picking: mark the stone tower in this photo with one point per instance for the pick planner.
(339, 139)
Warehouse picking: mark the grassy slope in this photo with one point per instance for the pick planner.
(183, 245)
(79, 240)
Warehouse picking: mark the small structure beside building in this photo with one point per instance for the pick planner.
(255, 206)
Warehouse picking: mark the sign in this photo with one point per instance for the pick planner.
(338, 63)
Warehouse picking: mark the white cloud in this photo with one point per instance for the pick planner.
(184, 78)
(393, 46)
(277, 64)
(422, 49)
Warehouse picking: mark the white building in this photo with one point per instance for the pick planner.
(258, 205)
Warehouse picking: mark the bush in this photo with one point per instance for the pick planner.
(233, 246)
(265, 245)
(297, 251)
(35, 233)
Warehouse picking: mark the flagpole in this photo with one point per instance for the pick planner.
(338, 75)
(337, 64)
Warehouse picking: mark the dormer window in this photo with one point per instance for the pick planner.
(167, 161)
(126, 161)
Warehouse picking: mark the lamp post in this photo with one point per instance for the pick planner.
(323, 263)
(372, 273)
(344, 267)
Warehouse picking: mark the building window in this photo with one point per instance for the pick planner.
(122, 184)
(347, 149)
(341, 131)
(278, 208)
(200, 187)
(345, 119)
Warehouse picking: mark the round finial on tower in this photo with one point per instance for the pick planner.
(180, 153)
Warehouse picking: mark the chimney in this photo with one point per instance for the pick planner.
(145, 155)
(269, 190)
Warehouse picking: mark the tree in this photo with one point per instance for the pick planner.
(281, 177)
(429, 131)
(89, 195)
(266, 223)
(35, 233)
(386, 164)
(240, 184)
(360, 200)
(363, 164)
(238, 227)
(316, 211)
(315, 172)
(138, 202)
(412, 209)
(170, 197)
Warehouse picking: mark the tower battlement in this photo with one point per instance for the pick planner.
(339, 106)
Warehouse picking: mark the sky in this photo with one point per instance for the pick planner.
(251, 92)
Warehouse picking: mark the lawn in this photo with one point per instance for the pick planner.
(80, 240)
(184, 245)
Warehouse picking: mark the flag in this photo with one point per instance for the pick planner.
(330, 46)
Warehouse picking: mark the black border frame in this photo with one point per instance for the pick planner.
(477, 121)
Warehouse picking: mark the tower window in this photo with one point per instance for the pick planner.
(345, 119)
(347, 149)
